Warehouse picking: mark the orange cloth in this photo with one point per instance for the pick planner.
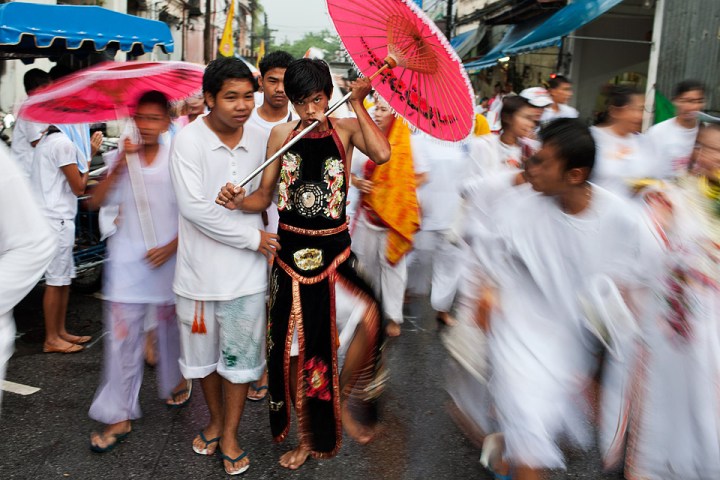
(394, 195)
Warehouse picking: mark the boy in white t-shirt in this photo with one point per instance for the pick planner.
(27, 134)
(58, 181)
(274, 110)
(138, 280)
(221, 275)
(561, 91)
(673, 140)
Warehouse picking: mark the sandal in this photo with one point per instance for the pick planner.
(173, 403)
(73, 348)
(119, 437)
(233, 461)
(257, 389)
(206, 450)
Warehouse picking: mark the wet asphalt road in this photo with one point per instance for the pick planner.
(46, 435)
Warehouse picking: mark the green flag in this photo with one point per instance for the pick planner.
(664, 108)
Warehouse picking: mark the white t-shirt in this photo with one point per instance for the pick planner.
(24, 133)
(489, 155)
(672, 146)
(565, 111)
(53, 152)
(217, 256)
(129, 278)
(440, 197)
(618, 160)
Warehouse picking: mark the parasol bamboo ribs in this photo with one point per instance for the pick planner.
(389, 63)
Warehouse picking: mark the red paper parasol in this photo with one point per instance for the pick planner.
(109, 91)
(429, 87)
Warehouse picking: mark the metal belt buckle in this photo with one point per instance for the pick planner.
(308, 258)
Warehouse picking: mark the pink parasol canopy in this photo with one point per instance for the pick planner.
(110, 90)
(429, 86)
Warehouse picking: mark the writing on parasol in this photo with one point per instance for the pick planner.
(408, 94)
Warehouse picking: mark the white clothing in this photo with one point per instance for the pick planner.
(672, 146)
(357, 168)
(53, 152)
(26, 248)
(129, 278)
(439, 197)
(489, 155)
(61, 270)
(618, 160)
(676, 410)
(388, 281)
(540, 350)
(564, 111)
(24, 133)
(217, 255)
(266, 126)
(234, 344)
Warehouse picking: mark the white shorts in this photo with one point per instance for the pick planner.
(61, 270)
(234, 344)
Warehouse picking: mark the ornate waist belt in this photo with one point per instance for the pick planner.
(314, 233)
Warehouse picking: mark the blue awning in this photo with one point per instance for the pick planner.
(545, 32)
(37, 30)
(466, 41)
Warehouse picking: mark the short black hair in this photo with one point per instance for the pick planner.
(35, 78)
(688, 86)
(225, 68)
(510, 106)
(557, 80)
(59, 71)
(276, 59)
(306, 76)
(573, 140)
(620, 95)
(156, 98)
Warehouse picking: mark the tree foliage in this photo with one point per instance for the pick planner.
(324, 40)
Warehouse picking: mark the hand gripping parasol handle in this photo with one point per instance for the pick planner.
(389, 63)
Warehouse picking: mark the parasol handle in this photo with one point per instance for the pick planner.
(389, 63)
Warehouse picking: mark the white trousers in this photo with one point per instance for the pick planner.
(388, 281)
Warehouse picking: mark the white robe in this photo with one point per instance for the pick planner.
(541, 353)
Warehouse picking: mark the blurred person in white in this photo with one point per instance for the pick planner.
(673, 140)
(622, 152)
(561, 91)
(433, 263)
(274, 110)
(138, 281)
(557, 232)
(675, 409)
(59, 175)
(26, 248)
(193, 108)
(27, 134)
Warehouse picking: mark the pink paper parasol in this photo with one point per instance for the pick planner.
(422, 78)
(109, 91)
(429, 86)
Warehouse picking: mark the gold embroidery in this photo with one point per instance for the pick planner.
(276, 406)
(308, 258)
(314, 233)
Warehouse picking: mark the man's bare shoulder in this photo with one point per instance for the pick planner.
(349, 124)
(283, 129)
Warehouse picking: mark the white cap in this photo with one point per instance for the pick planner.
(537, 97)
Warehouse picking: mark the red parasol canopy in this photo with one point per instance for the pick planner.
(429, 86)
(110, 90)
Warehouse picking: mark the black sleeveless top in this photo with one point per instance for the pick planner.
(312, 201)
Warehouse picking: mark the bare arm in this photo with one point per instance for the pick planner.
(365, 135)
(77, 180)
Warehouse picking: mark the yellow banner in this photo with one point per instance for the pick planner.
(261, 53)
(227, 45)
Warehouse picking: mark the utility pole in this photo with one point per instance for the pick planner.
(209, 39)
(449, 24)
(266, 32)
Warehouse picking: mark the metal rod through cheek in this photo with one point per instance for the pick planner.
(300, 135)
